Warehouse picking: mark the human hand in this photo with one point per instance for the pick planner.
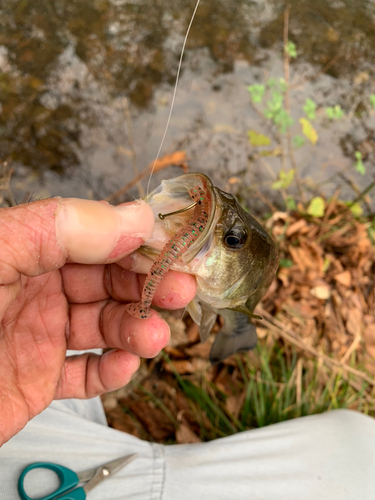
(64, 283)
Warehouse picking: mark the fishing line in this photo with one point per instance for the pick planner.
(174, 94)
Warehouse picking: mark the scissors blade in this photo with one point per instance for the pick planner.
(107, 470)
(119, 463)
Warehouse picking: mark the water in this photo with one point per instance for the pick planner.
(66, 68)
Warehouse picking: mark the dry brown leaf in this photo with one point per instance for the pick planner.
(221, 379)
(177, 158)
(277, 216)
(193, 333)
(370, 361)
(283, 276)
(344, 278)
(181, 367)
(119, 420)
(322, 292)
(261, 332)
(172, 351)
(185, 435)
(304, 259)
(234, 403)
(369, 335)
(109, 402)
(200, 350)
(295, 227)
(354, 321)
(234, 180)
(155, 421)
(369, 319)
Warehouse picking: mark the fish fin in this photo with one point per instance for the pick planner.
(195, 310)
(203, 315)
(208, 319)
(244, 310)
(242, 338)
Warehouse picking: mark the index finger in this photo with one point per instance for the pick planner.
(87, 284)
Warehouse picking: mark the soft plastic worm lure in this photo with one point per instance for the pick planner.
(173, 250)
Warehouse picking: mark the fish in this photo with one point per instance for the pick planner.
(204, 231)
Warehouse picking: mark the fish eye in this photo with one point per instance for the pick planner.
(235, 238)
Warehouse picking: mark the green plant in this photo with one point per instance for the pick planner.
(371, 231)
(257, 92)
(335, 112)
(316, 207)
(276, 112)
(310, 109)
(272, 101)
(286, 263)
(359, 166)
(207, 405)
(355, 208)
(308, 130)
(277, 387)
(287, 386)
(298, 141)
(258, 139)
(291, 49)
(290, 203)
(285, 179)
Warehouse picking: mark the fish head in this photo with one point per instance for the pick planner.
(238, 261)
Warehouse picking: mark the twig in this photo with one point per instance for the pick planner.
(350, 183)
(265, 201)
(299, 381)
(283, 156)
(267, 166)
(353, 347)
(328, 211)
(287, 104)
(333, 176)
(283, 332)
(363, 193)
(129, 185)
(273, 175)
(258, 378)
(356, 190)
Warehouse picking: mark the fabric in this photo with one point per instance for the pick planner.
(326, 457)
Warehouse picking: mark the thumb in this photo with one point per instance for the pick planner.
(42, 236)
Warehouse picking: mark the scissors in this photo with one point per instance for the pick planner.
(69, 479)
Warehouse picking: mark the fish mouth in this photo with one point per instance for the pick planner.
(171, 196)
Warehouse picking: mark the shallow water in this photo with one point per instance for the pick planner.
(66, 68)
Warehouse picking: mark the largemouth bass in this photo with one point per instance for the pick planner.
(201, 230)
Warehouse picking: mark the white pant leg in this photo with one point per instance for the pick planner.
(322, 457)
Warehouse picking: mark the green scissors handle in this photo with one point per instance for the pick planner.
(68, 479)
